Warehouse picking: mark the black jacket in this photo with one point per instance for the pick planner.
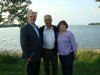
(30, 43)
(41, 29)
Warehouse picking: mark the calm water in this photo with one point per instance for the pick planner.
(86, 37)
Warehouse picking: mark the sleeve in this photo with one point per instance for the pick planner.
(73, 42)
(23, 42)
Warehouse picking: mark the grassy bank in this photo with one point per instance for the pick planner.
(88, 64)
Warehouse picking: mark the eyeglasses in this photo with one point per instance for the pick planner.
(32, 16)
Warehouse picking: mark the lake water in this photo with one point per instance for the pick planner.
(86, 37)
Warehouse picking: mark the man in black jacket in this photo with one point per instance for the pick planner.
(31, 44)
(48, 34)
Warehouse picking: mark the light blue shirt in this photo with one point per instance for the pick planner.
(36, 30)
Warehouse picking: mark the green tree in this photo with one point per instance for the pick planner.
(98, 1)
(1, 10)
(15, 10)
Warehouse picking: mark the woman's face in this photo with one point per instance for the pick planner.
(62, 27)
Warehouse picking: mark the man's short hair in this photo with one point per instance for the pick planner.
(31, 12)
(48, 15)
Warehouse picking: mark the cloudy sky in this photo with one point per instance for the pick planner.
(75, 12)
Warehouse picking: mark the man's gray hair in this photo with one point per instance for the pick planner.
(48, 15)
(31, 12)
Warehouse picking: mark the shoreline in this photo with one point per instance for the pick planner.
(94, 50)
(20, 51)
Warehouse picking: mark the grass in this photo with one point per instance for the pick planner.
(88, 64)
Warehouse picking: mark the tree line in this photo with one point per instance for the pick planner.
(14, 10)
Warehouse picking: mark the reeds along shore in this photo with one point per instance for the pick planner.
(19, 51)
(11, 63)
(84, 55)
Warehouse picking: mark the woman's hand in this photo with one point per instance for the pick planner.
(75, 57)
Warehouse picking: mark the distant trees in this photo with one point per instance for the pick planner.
(98, 0)
(94, 24)
(12, 11)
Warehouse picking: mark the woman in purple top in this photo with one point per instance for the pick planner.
(66, 47)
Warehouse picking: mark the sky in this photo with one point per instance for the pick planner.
(74, 12)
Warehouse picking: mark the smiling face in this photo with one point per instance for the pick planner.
(47, 20)
(32, 18)
(62, 27)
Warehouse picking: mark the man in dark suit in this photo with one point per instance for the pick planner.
(31, 44)
(48, 34)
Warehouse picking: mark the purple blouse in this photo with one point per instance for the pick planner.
(66, 43)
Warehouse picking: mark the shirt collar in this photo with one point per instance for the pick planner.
(32, 24)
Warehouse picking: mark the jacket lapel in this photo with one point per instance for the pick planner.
(32, 30)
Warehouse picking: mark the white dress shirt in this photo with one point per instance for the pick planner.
(48, 38)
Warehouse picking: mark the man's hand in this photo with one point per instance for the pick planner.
(28, 60)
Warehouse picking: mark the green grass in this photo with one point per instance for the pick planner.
(88, 64)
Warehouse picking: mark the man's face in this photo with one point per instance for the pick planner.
(32, 18)
(47, 20)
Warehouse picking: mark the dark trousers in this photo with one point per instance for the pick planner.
(50, 57)
(33, 68)
(67, 63)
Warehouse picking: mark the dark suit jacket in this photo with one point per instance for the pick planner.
(30, 43)
(41, 29)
